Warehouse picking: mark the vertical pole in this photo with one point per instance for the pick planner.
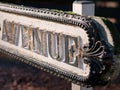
(85, 8)
(75, 87)
(84, 88)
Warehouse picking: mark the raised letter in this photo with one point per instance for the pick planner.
(44, 43)
(7, 33)
(37, 46)
(74, 51)
(57, 46)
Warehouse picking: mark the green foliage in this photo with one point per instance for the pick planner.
(56, 10)
(67, 12)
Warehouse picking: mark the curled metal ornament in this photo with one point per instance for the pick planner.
(97, 49)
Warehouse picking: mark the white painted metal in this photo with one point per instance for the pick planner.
(86, 8)
(48, 26)
(84, 88)
(75, 87)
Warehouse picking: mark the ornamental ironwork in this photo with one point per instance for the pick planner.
(65, 44)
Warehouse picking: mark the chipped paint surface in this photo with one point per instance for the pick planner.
(64, 44)
(56, 44)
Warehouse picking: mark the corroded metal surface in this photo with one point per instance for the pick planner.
(67, 45)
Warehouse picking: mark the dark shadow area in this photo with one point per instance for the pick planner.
(51, 4)
(16, 75)
(109, 9)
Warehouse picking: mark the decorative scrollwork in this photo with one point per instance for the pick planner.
(96, 50)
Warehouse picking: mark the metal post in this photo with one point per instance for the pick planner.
(84, 88)
(75, 87)
(85, 8)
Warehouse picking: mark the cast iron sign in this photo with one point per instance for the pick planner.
(58, 42)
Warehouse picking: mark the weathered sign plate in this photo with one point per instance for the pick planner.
(57, 42)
